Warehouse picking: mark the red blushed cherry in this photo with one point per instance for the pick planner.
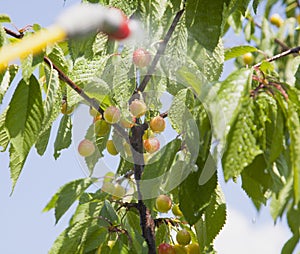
(151, 145)
(141, 57)
(165, 248)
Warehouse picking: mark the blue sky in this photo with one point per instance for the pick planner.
(25, 229)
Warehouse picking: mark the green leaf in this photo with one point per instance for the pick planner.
(191, 79)
(52, 102)
(86, 71)
(279, 202)
(43, 141)
(4, 18)
(177, 45)
(157, 169)
(64, 135)
(225, 100)
(256, 181)
(100, 143)
(293, 125)
(209, 63)
(29, 64)
(6, 78)
(213, 219)
(81, 46)
(93, 237)
(109, 213)
(297, 76)
(238, 51)
(24, 116)
(161, 234)
(242, 145)
(4, 136)
(195, 194)
(2, 36)
(67, 195)
(124, 166)
(57, 57)
(290, 245)
(16, 164)
(293, 217)
(204, 20)
(179, 112)
(69, 240)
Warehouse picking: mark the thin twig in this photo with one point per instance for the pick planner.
(278, 56)
(14, 34)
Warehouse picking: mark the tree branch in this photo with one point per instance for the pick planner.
(278, 56)
(14, 34)
(160, 51)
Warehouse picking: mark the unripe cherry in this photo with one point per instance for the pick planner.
(179, 249)
(112, 115)
(86, 148)
(101, 128)
(141, 57)
(193, 248)
(276, 20)
(151, 145)
(137, 108)
(183, 237)
(93, 112)
(165, 248)
(176, 210)
(157, 124)
(65, 109)
(248, 58)
(163, 203)
(111, 148)
(118, 192)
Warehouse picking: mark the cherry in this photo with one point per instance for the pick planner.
(151, 145)
(93, 112)
(183, 237)
(108, 187)
(137, 108)
(141, 57)
(65, 109)
(157, 124)
(276, 20)
(179, 249)
(86, 148)
(248, 58)
(101, 128)
(111, 148)
(165, 248)
(176, 210)
(163, 203)
(128, 122)
(118, 192)
(112, 115)
(193, 248)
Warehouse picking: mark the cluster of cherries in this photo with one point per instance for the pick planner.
(163, 204)
(112, 115)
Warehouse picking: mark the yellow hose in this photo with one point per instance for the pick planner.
(31, 44)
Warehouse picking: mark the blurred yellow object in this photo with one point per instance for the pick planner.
(30, 45)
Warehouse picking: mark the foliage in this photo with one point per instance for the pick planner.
(253, 115)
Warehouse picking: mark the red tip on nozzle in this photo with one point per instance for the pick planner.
(121, 30)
